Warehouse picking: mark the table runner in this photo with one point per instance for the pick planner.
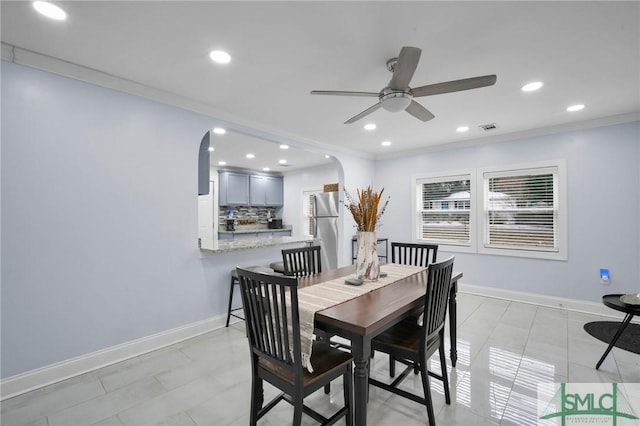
(333, 292)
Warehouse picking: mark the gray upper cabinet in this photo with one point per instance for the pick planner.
(258, 188)
(243, 189)
(266, 190)
(233, 189)
(274, 192)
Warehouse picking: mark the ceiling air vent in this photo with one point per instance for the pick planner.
(488, 127)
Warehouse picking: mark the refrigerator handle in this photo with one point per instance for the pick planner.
(314, 213)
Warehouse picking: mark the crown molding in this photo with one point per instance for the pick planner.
(29, 58)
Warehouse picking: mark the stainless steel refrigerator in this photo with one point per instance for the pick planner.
(326, 221)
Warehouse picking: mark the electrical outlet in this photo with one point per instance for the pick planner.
(604, 276)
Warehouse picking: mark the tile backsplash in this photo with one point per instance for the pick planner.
(255, 217)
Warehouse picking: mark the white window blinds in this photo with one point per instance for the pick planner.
(444, 209)
(521, 209)
(309, 220)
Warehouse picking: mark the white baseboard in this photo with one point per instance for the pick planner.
(34, 379)
(543, 300)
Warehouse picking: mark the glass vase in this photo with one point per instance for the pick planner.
(367, 262)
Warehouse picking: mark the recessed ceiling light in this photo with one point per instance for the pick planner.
(574, 108)
(220, 56)
(250, 156)
(531, 87)
(222, 163)
(326, 156)
(385, 143)
(282, 161)
(462, 129)
(50, 10)
(284, 146)
(210, 149)
(370, 126)
(266, 169)
(219, 131)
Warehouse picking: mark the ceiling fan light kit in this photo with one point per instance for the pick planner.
(395, 101)
(398, 96)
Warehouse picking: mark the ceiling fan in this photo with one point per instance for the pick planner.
(398, 96)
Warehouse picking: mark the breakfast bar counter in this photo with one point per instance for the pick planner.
(255, 230)
(226, 246)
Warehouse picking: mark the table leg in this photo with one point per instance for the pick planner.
(361, 351)
(453, 314)
(623, 325)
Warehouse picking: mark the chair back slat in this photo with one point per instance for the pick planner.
(301, 262)
(413, 254)
(270, 304)
(272, 310)
(436, 297)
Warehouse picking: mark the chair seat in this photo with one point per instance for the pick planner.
(261, 269)
(404, 336)
(324, 359)
(277, 266)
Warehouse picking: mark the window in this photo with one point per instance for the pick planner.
(444, 209)
(514, 211)
(523, 210)
(308, 209)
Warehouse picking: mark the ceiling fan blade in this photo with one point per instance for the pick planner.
(363, 113)
(405, 67)
(344, 93)
(454, 86)
(419, 112)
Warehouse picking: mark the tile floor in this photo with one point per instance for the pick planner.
(505, 350)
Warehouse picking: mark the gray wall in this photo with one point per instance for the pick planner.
(603, 210)
(99, 217)
(99, 220)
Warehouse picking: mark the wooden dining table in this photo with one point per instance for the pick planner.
(364, 317)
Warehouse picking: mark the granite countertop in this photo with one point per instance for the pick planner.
(250, 230)
(225, 246)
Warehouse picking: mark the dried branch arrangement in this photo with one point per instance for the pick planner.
(365, 208)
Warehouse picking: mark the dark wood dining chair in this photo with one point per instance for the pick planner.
(415, 255)
(413, 344)
(273, 331)
(301, 262)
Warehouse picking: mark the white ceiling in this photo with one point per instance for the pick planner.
(232, 148)
(584, 52)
